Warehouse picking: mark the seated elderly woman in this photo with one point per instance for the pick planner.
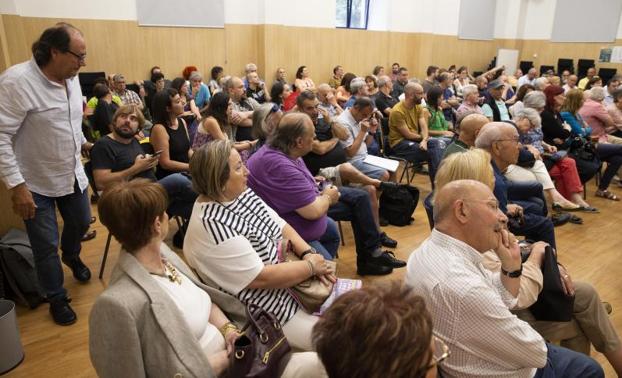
(403, 347)
(607, 152)
(233, 238)
(155, 307)
(265, 119)
(590, 323)
(548, 164)
(156, 318)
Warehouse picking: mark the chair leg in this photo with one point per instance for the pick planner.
(103, 264)
(343, 242)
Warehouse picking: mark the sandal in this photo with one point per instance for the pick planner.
(606, 195)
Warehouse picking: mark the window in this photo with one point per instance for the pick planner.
(352, 14)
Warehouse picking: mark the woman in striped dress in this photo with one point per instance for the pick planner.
(233, 238)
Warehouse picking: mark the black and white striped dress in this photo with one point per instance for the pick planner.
(230, 243)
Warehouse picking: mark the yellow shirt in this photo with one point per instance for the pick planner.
(583, 83)
(400, 116)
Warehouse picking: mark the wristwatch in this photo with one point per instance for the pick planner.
(514, 274)
(308, 251)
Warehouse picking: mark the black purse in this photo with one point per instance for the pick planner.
(257, 353)
(553, 304)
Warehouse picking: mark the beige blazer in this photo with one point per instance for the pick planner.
(135, 329)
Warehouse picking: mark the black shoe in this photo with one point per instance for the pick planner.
(387, 258)
(370, 268)
(89, 235)
(80, 271)
(383, 222)
(386, 241)
(387, 185)
(62, 313)
(560, 219)
(93, 219)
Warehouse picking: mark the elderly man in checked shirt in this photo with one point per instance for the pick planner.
(470, 305)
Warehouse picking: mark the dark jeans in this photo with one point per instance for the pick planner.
(436, 149)
(562, 362)
(180, 194)
(354, 206)
(328, 244)
(612, 154)
(43, 235)
(409, 150)
(527, 191)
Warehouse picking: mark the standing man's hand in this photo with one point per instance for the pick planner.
(23, 203)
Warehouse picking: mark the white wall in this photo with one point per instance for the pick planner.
(514, 19)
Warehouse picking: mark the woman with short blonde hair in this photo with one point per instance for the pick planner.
(234, 240)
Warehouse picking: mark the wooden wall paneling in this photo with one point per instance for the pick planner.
(18, 45)
(548, 52)
(5, 59)
(8, 219)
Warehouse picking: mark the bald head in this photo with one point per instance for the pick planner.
(470, 127)
(447, 197)
(494, 132)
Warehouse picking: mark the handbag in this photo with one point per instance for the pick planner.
(258, 351)
(553, 304)
(584, 154)
(311, 293)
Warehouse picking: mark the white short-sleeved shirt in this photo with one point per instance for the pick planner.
(229, 243)
(354, 129)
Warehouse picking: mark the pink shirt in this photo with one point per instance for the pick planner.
(597, 117)
(616, 116)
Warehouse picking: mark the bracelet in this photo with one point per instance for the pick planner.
(311, 250)
(228, 326)
(311, 268)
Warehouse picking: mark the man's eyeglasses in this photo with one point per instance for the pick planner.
(81, 57)
(441, 352)
(515, 140)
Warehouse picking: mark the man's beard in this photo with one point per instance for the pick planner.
(123, 134)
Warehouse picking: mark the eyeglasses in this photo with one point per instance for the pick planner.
(515, 140)
(440, 354)
(492, 203)
(81, 57)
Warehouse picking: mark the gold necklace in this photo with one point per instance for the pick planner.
(170, 272)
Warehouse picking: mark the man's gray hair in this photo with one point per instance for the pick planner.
(383, 80)
(492, 132)
(535, 100)
(597, 94)
(469, 89)
(531, 114)
(356, 84)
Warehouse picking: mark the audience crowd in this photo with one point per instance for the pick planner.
(245, 163)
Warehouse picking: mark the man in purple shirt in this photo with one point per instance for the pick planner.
(279, 176)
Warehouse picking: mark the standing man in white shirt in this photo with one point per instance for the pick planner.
(41, 142)
(470, 305)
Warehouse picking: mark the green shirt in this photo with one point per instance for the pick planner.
(437, 120)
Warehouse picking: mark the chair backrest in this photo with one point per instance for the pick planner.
(525, 65)
(565, 64)
(583, 65)
(606, 74)
(87, 82)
